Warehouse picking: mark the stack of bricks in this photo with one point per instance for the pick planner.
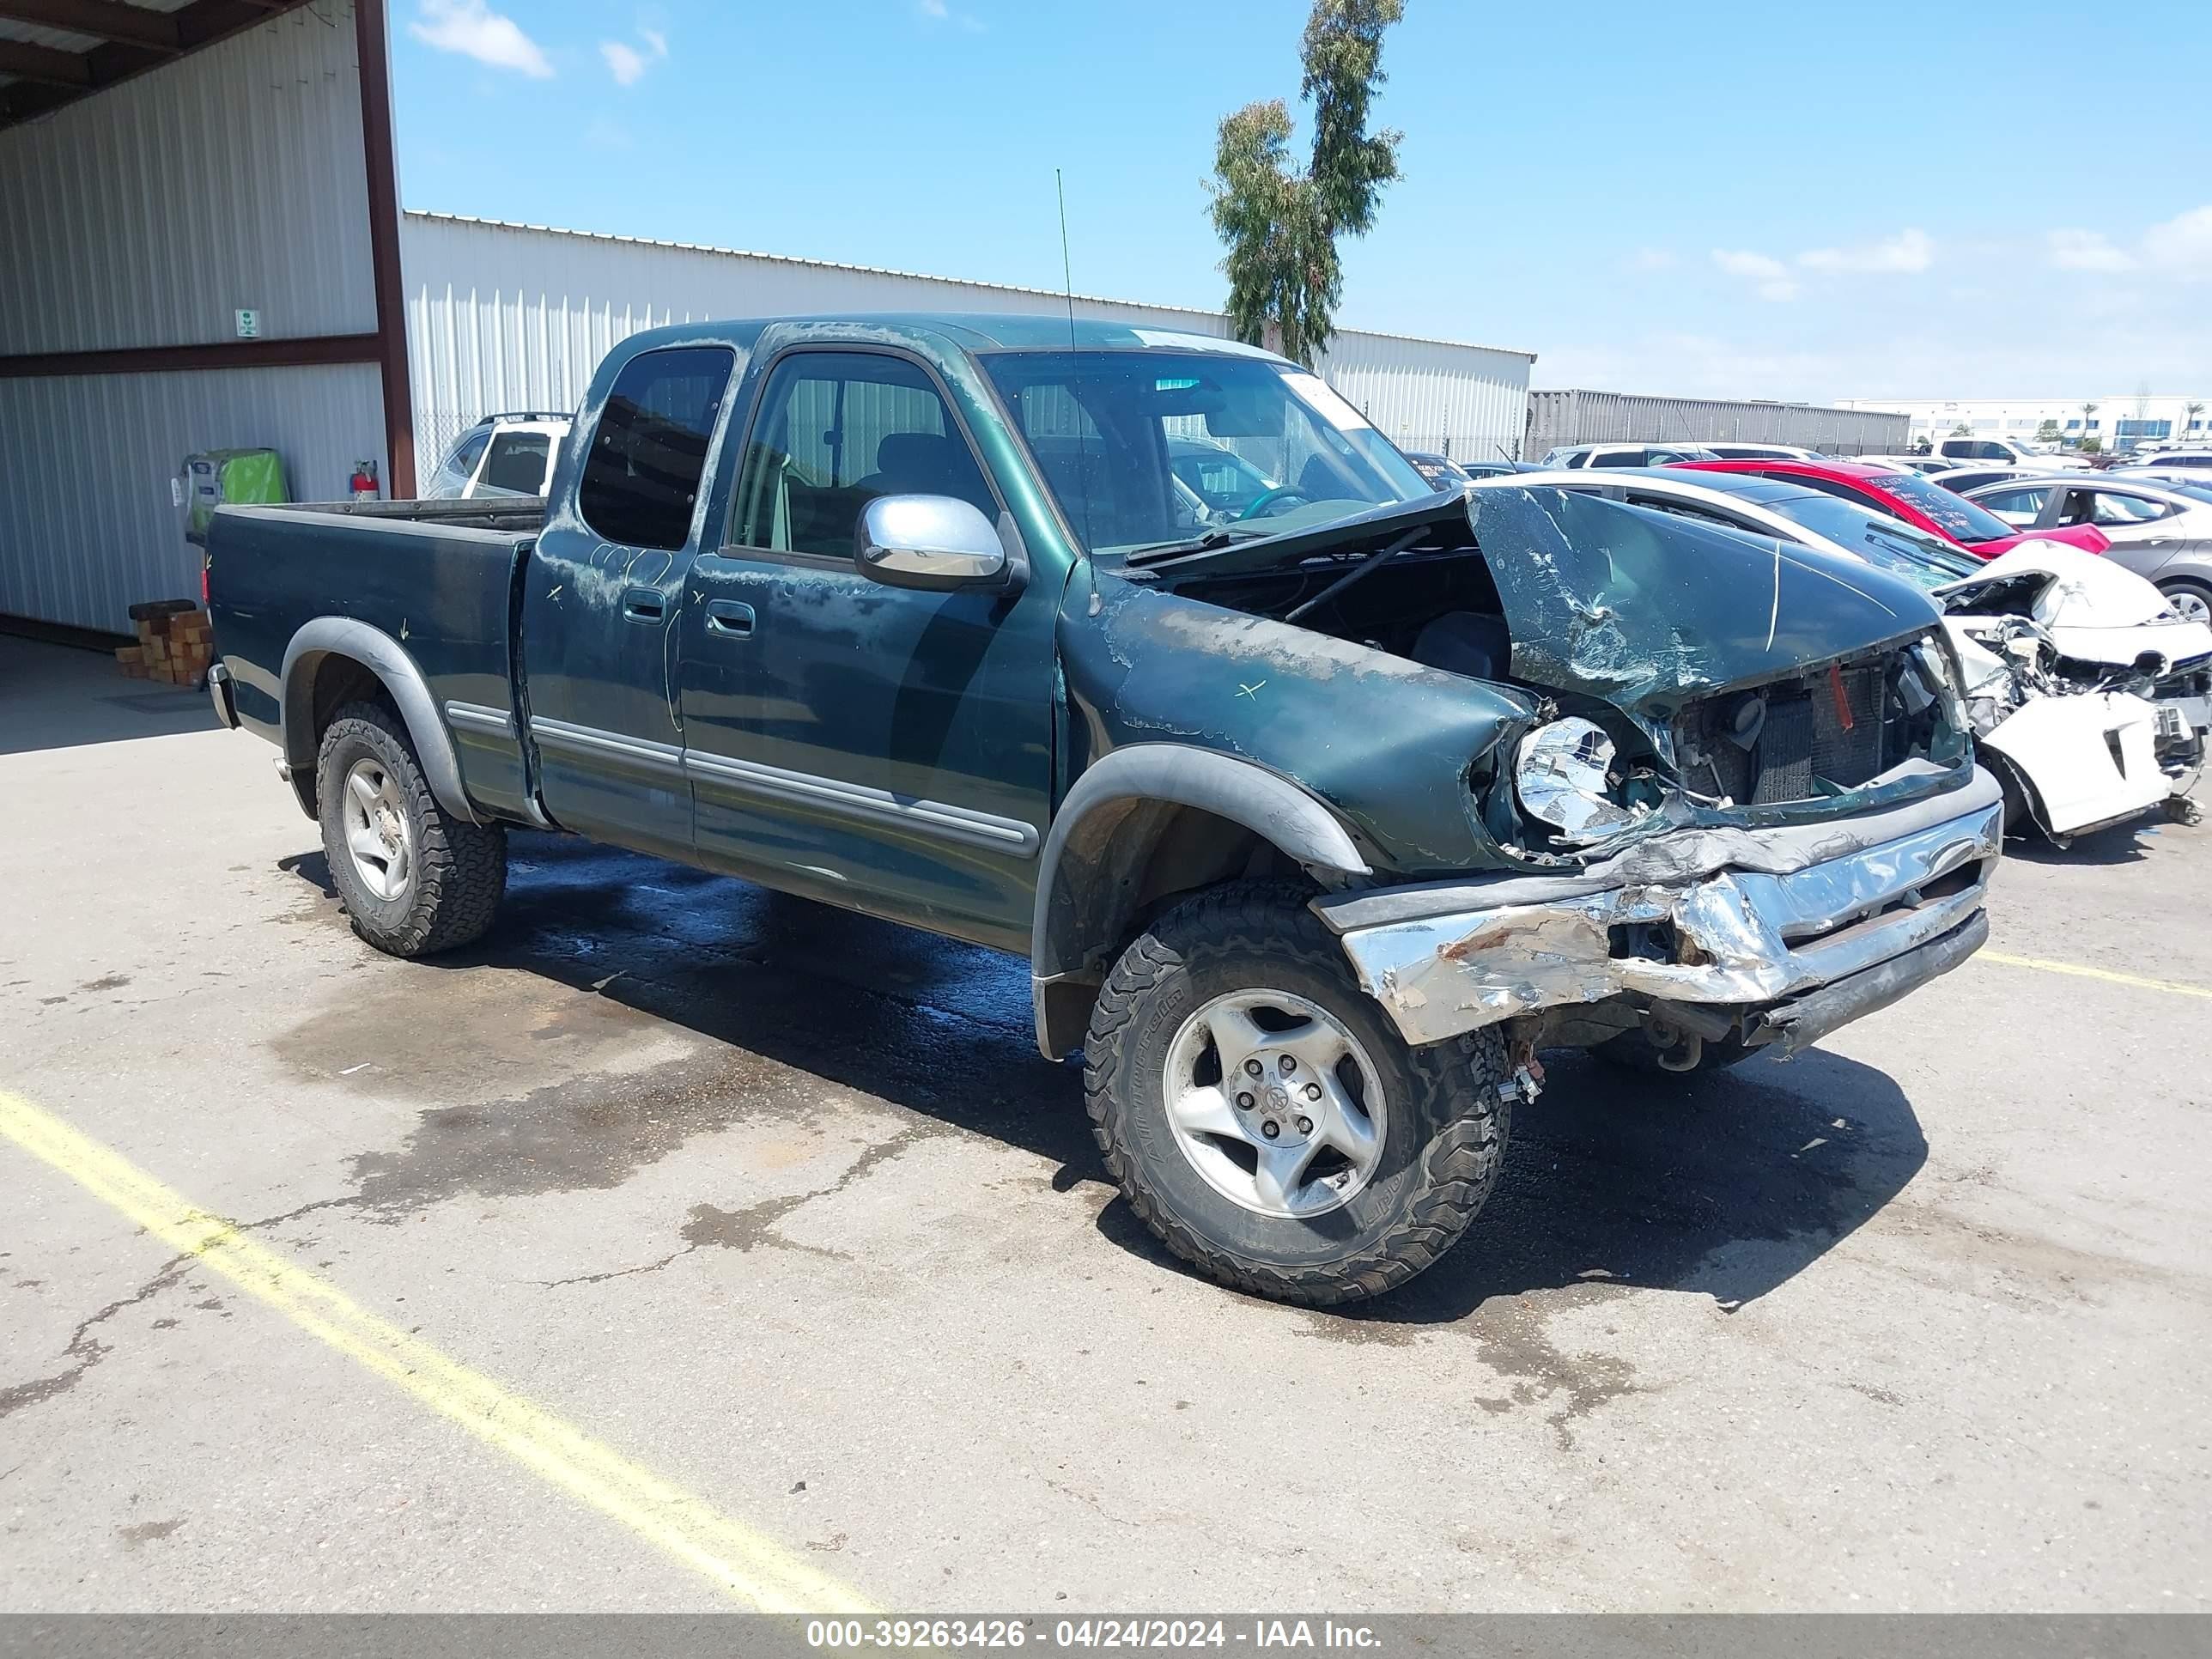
(174, 644)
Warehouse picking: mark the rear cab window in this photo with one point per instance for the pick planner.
(516, 465)
(641, 478)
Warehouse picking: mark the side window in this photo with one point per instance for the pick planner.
(1686, 510)
(2113, 507)
(2079, 506)
(835, 430)
(1845, 492)
(1618, 457)
(649, 449)
(517, 464)
(1989, 452)
(2019, 507)
(453, 477)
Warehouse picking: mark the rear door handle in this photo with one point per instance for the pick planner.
(731, 618)
(644, 605)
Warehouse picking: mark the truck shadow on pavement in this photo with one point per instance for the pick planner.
(1728, 1185)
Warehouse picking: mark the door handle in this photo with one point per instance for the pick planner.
(644, 605)
(731, 618)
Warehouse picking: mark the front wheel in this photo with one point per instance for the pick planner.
(1267, 1121)
(414, 878)
(2193, 599)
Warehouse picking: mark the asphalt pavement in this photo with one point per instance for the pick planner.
(684, 1246)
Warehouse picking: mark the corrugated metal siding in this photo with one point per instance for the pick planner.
(513, 317)
(143, 216)
(87, 527)
(1467, 402)
(1595, 418)
(233, 177)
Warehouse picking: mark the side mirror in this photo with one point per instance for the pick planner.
(934, 542)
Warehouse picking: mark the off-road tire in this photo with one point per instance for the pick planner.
(1447, 1121)
(460, 867)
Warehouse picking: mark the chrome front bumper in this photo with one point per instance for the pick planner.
(1748, 937)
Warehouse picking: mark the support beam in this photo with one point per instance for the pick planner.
(371, 53)
(296, 351)
(59, 69)
(132, 40)
(104, 19)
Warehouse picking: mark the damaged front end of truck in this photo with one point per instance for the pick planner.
(1618, 779)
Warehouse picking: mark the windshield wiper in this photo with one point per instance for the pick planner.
(1152, 552)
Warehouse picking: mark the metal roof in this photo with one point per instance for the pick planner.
(54, 52)
(1048, 297)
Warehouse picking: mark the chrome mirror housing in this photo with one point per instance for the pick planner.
(930, 542)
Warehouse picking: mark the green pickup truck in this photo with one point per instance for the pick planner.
(1320, 801)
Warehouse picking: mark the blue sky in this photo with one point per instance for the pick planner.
(1772, 200)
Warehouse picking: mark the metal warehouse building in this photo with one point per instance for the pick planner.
(1597, 417)
(163, 167)
(515, 317)
(201, 249)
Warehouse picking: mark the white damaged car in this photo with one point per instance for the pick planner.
(2066, 652)
(2090, 697)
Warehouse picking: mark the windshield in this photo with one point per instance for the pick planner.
(1148, 449)
(1956, 517)
(1927, 561)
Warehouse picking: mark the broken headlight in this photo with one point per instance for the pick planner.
(1562, 772)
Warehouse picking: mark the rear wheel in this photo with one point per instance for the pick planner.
(1267, 1122)
(414, 878)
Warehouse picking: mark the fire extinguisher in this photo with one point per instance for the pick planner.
(364, 483)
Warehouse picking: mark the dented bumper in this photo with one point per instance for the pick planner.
(1758, 921)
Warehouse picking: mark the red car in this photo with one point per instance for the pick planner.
(1909, 496)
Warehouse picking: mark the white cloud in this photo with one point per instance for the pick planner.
(937, 11)
(1771, 276)
(1652, 258)
(2086, 250)
(627, 63)
(1907, 252)
(2182, 244)
(474, 30)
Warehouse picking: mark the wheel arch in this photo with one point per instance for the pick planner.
(1142, 825)
(330, 656)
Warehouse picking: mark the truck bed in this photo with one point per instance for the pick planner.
(435, 579)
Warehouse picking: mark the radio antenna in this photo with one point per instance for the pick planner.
(1067, 269)
(1067, 287)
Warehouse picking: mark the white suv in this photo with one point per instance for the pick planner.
(502, 455)
(2001, 451)
(1625, 454)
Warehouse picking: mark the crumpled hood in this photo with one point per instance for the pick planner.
(1648, 610)
(2094, 611)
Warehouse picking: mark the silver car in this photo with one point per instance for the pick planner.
(2159, 530)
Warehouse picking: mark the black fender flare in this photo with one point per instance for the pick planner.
(1062, 955)
(386, 658)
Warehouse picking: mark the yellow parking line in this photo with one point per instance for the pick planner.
(749, 1566)
(2173, 986)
